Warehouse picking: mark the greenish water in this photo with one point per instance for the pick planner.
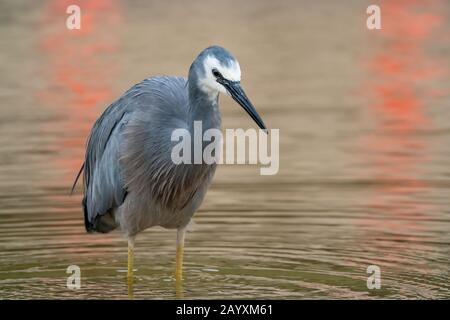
(364, 173)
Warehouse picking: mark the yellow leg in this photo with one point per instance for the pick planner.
(179, 292)
(130, 278)
(180, 252)
(130, 257)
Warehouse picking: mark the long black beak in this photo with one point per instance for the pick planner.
(238, 94)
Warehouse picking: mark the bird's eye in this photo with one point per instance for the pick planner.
(216, 73)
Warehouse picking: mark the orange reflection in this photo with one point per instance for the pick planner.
(400, 72)
(79, 69)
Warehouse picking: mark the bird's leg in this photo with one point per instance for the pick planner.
(130, 278)
(130, 257)
(180, 252)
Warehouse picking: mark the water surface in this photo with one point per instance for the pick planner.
(364, 125)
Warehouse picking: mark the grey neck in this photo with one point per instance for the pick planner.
(202, 107)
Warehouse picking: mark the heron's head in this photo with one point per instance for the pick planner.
(216, 70)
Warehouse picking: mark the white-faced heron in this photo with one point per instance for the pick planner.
(130, 179)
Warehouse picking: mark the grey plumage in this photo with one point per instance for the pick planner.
(129, 178)
(129, 172)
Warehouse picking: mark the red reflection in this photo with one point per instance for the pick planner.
(400, 71)
(79, 69)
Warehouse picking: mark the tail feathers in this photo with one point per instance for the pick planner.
(87, 224)
(102, 223)
(105, 223)
(76, 179)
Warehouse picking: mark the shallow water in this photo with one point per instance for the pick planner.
(364, 173)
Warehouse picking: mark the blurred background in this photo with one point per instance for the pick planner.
(364, 119)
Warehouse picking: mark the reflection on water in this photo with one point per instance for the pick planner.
(363, 179)
(396, 148)
(78, 70)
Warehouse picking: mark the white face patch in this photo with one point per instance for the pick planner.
(209, 84)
